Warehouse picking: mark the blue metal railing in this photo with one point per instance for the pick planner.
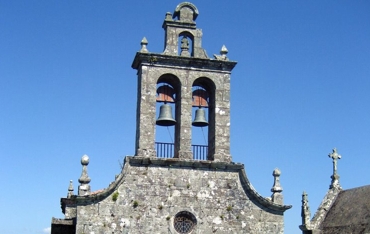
(200, 152)
(167, 150)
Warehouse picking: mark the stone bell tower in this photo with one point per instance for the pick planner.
(184, 78)
(177, 186)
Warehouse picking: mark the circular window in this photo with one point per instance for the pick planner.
(184, 222)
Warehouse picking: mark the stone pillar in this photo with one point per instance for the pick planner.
(184, 111)
(222, 119)
(145, 122)
(305, 213)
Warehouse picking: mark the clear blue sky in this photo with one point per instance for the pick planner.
(301, 88)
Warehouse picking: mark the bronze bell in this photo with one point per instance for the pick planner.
(200, 118)
(165, 116)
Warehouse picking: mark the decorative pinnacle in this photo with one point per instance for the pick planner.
(224, 51)
(277, 196)
(168, 16)
(305, 214)
(84, 187)
(144, 43)
(70, 189)
(84, 179)
(335, 177)
(276, 187)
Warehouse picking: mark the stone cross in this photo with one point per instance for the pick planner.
(335, 156)
(335, 177)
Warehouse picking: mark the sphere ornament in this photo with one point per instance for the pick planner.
(85, 160)
(276, 172)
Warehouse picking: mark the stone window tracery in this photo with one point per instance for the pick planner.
(184, 222)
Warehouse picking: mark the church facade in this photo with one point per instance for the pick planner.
(177, 187)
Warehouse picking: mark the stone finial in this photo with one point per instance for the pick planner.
(335, 177)
(277, 196)
(70, 189)
(168, 17)
(222, 55)
(224, 51)
(144, 43)
(306, 214)
(84, 187)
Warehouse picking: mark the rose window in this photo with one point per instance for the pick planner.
(184, 222)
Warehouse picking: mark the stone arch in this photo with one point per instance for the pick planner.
(169, 93)
(172, 80)
(209, 87)
(186, 11)
(206, 83)
(190, 37)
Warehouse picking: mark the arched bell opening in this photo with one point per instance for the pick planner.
(203, 119)
(166, 113)
(186, 44)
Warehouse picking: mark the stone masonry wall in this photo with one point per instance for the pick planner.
(147, 197)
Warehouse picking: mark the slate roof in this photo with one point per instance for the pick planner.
(350, 212)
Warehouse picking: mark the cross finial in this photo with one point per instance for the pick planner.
(335, 156)
(335, 177)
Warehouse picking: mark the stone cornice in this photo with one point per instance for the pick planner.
(179, 24)
(176, 162)
(179, 61)
(62, 221)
